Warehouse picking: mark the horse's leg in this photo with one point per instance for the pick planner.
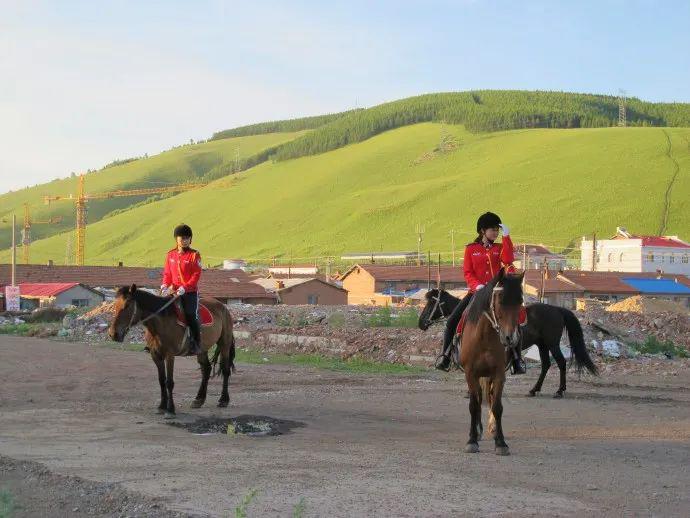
(205, 365)
(160, 365)
(169, 385)
(497, 411)
(560, 361)
(545, 366)
(475, 413)
(490, 402)
(227, 354)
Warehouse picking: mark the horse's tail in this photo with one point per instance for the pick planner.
(577, 342)
(227, 338)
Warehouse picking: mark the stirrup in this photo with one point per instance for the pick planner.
(443, 358)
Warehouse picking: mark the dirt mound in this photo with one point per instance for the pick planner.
(638, 304)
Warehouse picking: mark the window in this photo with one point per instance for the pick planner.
(650, 257)
(685, 259)
(312, 299)
(80, 303)
(671, 258)
(610, 258)
(620, 257)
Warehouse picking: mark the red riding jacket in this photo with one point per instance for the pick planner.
(482, 264)
(182, 269)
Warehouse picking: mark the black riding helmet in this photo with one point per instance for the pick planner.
(182, 231)
(487, 220)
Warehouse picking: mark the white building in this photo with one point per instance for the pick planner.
(629, 253)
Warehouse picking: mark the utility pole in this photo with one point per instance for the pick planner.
(428, 270)
(14, 250)
(420, 233)
(622, 119)
(438, 272)
(594, 252)
(452, 244)
(525, 265)
(543, 281)
(328, 268)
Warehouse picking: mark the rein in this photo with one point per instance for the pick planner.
(154, 314)
(491, 315)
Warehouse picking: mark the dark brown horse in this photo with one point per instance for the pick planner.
(166, 339)
(490, 328)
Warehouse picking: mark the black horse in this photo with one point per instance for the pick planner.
(545, 324)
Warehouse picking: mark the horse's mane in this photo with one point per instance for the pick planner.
(148, 301)
(511, 295)
(480, 303)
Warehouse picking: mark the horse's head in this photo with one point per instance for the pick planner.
(125, 313)
(506, 300)
(438, 306)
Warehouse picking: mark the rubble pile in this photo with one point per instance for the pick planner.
(644, 305)
(346, 332)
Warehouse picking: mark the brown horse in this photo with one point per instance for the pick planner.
(166, 339)
(491, 327)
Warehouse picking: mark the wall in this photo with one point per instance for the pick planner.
(360, 287)
(78, 292)
(326, 295)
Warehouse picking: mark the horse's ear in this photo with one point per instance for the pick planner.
(133, 288)
(497, 278)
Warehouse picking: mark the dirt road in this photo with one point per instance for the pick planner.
(369, 445)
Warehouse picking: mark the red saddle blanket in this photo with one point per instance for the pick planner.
(205, 316)
(521, 319)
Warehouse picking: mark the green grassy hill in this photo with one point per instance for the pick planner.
(183, 164)
(549, 185)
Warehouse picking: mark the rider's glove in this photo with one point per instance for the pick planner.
(479, 287)
(504, 229)
(180, 291)
(165, 290)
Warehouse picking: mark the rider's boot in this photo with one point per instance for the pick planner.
(443, 361)
(518, 365)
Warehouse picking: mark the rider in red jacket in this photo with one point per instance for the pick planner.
(483, 260)
(181, 276)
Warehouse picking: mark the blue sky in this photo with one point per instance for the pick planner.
(83, 83)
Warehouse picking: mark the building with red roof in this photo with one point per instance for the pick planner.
(626, 252)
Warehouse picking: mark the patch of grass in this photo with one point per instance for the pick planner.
(652, 345)
(354, 365)
(298, 510)
(7, 505)
(384, 317)
(241, 510)
(336, 319)
(298, 320)
(16, 329)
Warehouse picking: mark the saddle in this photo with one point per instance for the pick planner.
(205, 316)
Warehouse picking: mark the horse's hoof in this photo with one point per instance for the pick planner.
(502, 450)
(472, 447)
(558, 395)
(223, 404)
(531, 393)
(169, 415)
(198, 403)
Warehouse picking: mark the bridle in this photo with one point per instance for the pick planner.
(493, 320)
(132, 323)
(438, 305)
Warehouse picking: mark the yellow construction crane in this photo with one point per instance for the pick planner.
(81, 199)
(26, 231)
